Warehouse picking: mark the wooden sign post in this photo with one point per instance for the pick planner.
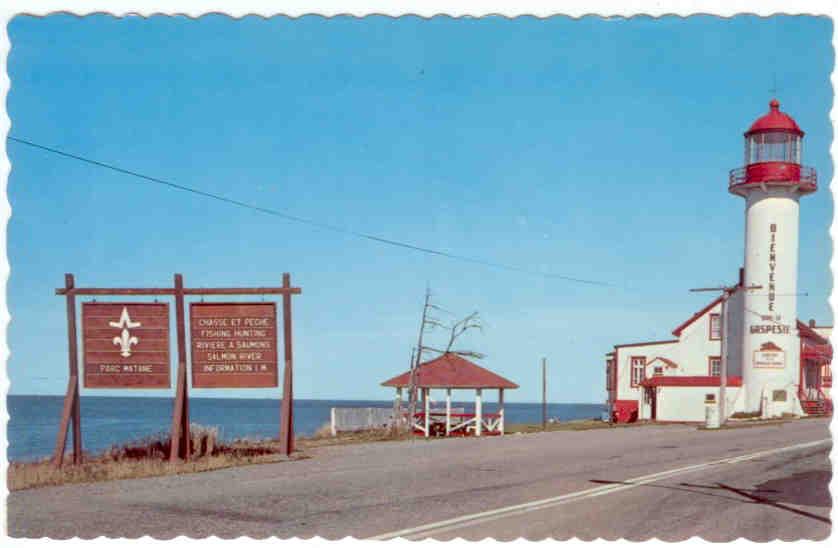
(286, 429)
(126, 345)
(72, 408)
(180, 437)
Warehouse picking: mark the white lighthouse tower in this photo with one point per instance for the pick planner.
(772, 183)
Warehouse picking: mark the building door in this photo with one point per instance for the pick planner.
(654, 402)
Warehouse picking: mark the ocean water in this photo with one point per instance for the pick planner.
(106, 421)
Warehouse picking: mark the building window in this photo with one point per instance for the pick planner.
(715, 327)
(715, 366)
(658, 371)
(638, 367)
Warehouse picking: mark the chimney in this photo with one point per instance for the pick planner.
(742, 277)
(811, 323)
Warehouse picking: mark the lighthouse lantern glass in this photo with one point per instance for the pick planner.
(775, 146)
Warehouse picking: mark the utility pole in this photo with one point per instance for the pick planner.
(544, 393)
(727, 292)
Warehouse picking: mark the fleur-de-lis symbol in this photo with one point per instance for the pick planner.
(125, 340)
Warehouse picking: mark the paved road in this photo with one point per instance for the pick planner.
(375, 489)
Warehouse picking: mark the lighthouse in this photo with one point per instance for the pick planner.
(772, 182)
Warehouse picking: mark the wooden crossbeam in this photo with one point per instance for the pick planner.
(153, 291)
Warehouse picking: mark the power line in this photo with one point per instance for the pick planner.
(306, 221)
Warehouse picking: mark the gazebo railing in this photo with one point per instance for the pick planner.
(493, 422)
(460, 423)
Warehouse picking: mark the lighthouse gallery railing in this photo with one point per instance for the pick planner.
(807, 176)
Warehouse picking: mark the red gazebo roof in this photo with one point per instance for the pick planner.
(451, 371)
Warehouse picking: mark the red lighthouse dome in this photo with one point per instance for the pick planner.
(772, 156)
(775, 121)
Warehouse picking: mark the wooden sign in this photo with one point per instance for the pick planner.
(233, 345)
(126, 345)
(769, 356)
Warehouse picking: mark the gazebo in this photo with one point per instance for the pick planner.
(451, 371)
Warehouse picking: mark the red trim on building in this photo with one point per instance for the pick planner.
(616, 387)
(669, 363)
(696, 316)
(648, 343)
(691, 381)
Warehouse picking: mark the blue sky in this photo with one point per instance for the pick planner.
(589, 148)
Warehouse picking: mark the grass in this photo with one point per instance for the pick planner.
(144, 458)
(149, 457)
(575, 425)
(323, 437)
(748, 420)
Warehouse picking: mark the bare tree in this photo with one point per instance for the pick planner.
(414, 365)
(455, 330)
(472, 321)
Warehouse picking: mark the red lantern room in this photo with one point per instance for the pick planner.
(772, 156)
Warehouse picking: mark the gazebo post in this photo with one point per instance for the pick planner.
(397, 419)
(427, 406)
(447, 411)
(478, 411)
(500, 412)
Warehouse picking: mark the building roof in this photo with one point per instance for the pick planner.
(451, 371)
(647, 343)
(807, 332)
(667, 361)
(774, 121)
(677, 331)
(684, 380)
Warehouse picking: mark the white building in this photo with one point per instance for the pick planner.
(775, 364)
